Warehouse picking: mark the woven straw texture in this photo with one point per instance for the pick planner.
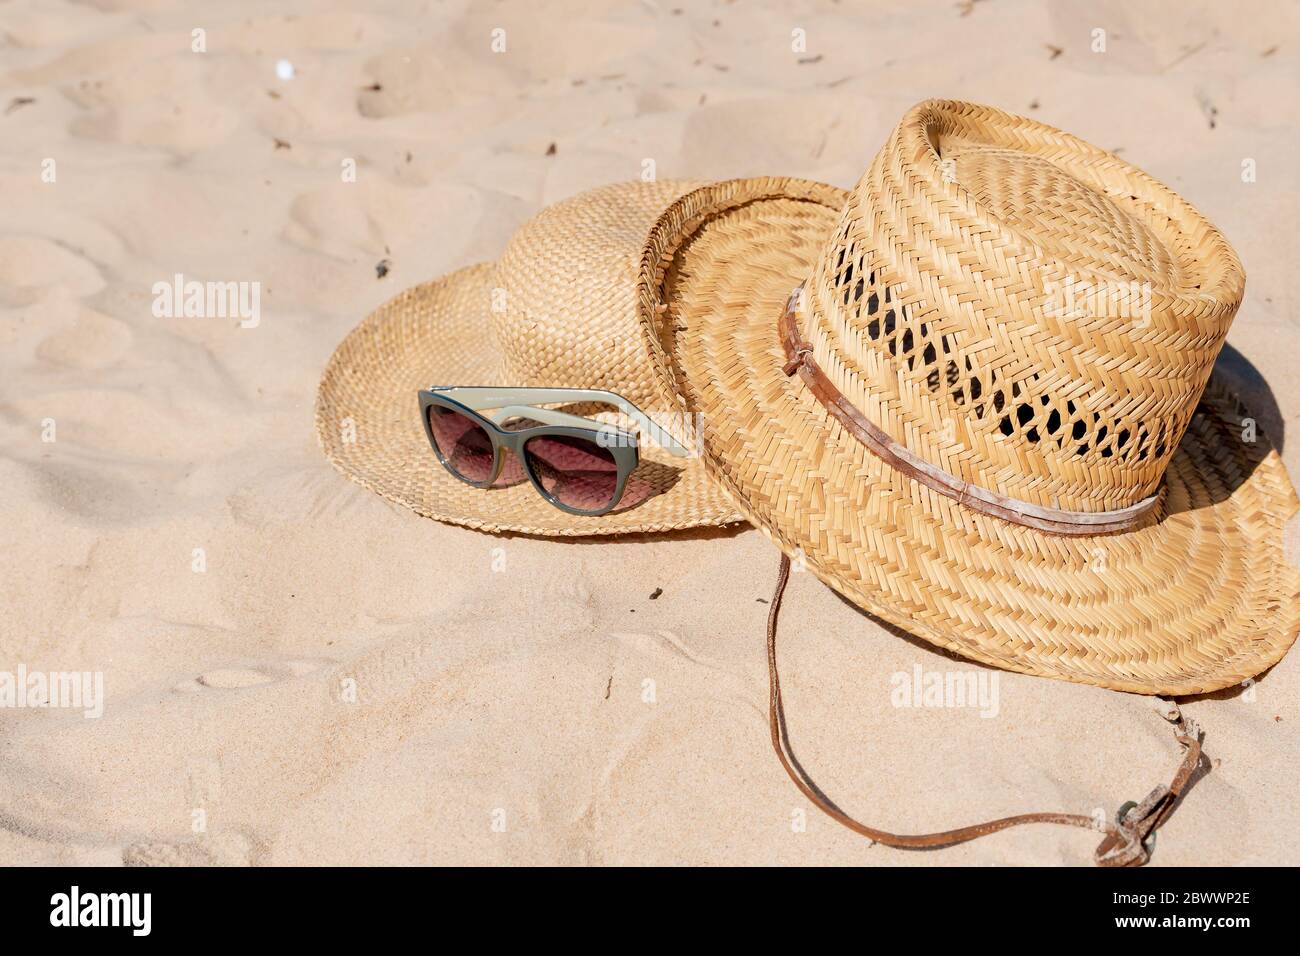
(557, 310)
(937, 317)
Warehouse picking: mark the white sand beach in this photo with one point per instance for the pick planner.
(296, 671)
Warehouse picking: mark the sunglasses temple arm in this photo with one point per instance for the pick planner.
(661, 435)
(547, 416)
(481, 397)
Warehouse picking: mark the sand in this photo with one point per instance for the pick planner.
(297, 672)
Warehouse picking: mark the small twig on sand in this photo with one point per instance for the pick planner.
(1184, 55)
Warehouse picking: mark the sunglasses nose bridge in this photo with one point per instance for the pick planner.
(510, 461)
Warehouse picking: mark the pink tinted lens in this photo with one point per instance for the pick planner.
(465, 447)
(576, 472)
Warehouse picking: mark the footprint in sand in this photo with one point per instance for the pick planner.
(219, 849)
(31, 264)
(341, 223)
(87, 339)
(196, 740)
(300, 668)
(376, 217)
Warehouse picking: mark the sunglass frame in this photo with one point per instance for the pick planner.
(620, 444)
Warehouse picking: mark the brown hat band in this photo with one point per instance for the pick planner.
(798, 353)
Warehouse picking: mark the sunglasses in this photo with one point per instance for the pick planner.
(579, 465)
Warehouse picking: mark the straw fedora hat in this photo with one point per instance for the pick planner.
(557, 310)
(974, 395)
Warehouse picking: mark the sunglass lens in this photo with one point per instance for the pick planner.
(576, 472)
(465, 447)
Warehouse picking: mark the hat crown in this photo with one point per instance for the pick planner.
(564, 300)
(1021, 309)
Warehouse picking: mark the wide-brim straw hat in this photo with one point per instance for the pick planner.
(557, 310)
(998, 346)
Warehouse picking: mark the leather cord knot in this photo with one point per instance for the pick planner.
(1127, 844)
(797, 359)
(1131, 840)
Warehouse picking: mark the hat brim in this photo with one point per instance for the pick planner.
(1199, 598)
(368, 424)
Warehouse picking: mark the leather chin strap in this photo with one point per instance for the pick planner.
(1127, 842)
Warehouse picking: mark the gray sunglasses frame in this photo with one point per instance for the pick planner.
(518, 402)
